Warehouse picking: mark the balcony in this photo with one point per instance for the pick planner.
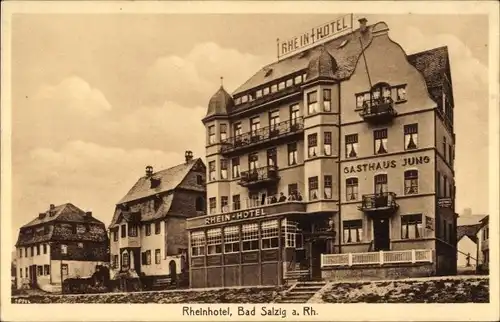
(378, 110)
(259, 176)
(262, 136)
(410, 256)
(380, 202)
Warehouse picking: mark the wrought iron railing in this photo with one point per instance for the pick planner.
(377, 258)
(267, 173)
(263, 200)
(378, 106)
(376, 201)
(267, 133)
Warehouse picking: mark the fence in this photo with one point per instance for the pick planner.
(381, 257)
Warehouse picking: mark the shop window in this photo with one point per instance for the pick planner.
(250, 237)
(236, 202)
(312, 102)
(313, 188)
(381, 185)
(132, 230)
(380, 141)
(158, 224)
(411, 182)
(353, 231)
(223, 132)
(157, 256)
(351, 146)
(312, 145)
(235, 162)
(351, 189)
(231, 239)
(197, 243)
(223, 169)
(411, 136)
(214, 241)
(46, 269)
(327, 100)
(270, 234)
(212, 203)
(328, 186)
(211, 134)
(327, 143)
(292, 153)
(224, 204)
(411, 226)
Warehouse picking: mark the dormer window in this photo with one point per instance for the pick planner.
(199, 180)
(289, 82)
(259, 93)
(298, 79)
(274, 88)
(265, 91)
(154, 182)
(281, 86)
(244, 99)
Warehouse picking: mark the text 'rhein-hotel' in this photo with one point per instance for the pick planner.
(336, 161)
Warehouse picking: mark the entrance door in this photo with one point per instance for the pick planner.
(318, 247)
(173, 271)
(381, 238)
(33, 275)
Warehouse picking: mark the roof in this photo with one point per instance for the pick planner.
(469, 231)
(469, 220)
(322, 66)
(145, 214)
(433, 64)
(169, 179)
(345, 50)
(221, 103)
(65, 212)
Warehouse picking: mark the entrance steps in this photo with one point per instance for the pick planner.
(302, 291)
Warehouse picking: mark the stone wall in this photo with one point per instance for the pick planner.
(376, 272)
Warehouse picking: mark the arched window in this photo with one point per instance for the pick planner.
(351, 189)
(411, 182)
(381, 184)
(200, 204)
(381, 93)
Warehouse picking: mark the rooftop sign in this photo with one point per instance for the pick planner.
(315, 36)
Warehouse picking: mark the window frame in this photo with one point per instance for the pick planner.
(351, 140)
(410, 132)
(198, 243)
(312, 102)
(235, 167)
(231, 239)
(380, 135)
(327, 98)
(415, 220)
(313, 185)
(411, 182)
(212, 205)
(352, 188)
(211, 135)
(212, 171)
(250, 237)
(293, 155)
(312, 145)
(327, 143)
(355, 225)
(269, 234)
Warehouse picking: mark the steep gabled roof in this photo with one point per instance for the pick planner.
(65, 212)
(169, 179)
(433, 64)
(469, 231)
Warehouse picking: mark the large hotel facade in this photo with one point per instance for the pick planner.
(333, 163)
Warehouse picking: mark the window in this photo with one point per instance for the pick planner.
(292, 189)
(80, 245)
(148, 257)
(211, 170)
(381, 183)
(444, 148)
(272, 156)
(26, 252)
(380, 140)
(20, 252)
(224, 204)
(360, 99)
(327, 144)
(411, 182)
(274, 120)
(451, 233)
(223, 132)
(37, 249)
(39, 270)
(212, 205)
(250, 236)
(125, 259)
(353, 231)
(328, 186)
(445, 186)
(132, 230)
(236, 202)
(254, 126)
(270, 234)
(32, 251)
(274, 88)
(115, 261)
(214, 241)
(289, 82)
(351, 146)
(298, 79)
(223, 169)
(281, 85)
(199, 206)
(327, 100)
(27, 272)
(237, 129)
(211, 134)
(64, 249)
(197, 243)
(147, 229)
(292, 153)
(21, 273)
(244, 99)
(265, 90)
(258, 93)
(351, 185)
(236, 167)
(253, 161)
(294, 114)
(115, 235)
(401, 93)
(46, 269)
(450, 154)
(158, 224)
(438, 184)
(292, 234)
(312, 144)
(411, 226)
(313, 188)
(231, 239)
(411, 136)
(312, 102)
(157, 256)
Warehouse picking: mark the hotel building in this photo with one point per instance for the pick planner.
(62, 242)
(148, 238)
(334, 163)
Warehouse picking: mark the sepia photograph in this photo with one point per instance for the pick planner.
(268, 160)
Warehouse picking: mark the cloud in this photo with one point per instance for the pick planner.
(192, 79)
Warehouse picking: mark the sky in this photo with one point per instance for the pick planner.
(97, 97)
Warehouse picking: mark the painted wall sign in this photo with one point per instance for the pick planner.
(445, 202)
(315, 36)
(381, 165)
(235, 216)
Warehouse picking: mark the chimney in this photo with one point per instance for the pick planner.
(41, 215)
(189, 156)
(362, 25)
(467, 212)
(52, 206)
(149, 171)
(88, 214)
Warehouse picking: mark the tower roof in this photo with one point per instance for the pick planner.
(321, 66)
(221, 103)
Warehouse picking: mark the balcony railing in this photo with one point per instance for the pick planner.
(379, 202)
(377, 258)
(258, 176)
(265, 134)
(378, 110)
(264, 200)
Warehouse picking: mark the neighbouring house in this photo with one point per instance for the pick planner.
(483, 236)
(467, 246)
(148, 237)
(60, 243)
